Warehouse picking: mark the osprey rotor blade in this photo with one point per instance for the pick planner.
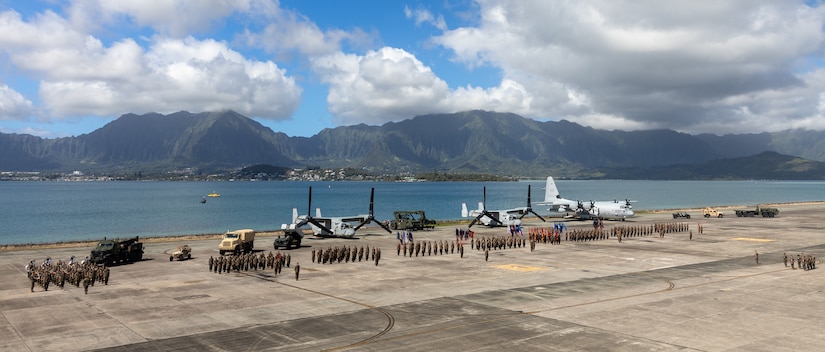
(372, 200)
(493, 220)
(528, 197)
(309, 203)
(361, 224)
(537, 215)
(472, 223)
(529, 208)
(319, 225)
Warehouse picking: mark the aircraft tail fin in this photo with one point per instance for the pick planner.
(318, 212)
(480, 206)
(550, 190)
(464, 212)
(294, 215)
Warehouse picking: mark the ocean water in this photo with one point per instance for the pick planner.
(43, 212)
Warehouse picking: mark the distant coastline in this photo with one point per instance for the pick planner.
(272, 233)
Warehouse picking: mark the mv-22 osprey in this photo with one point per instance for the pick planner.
(333, 226)
(504, 217)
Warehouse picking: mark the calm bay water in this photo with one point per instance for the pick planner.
(42, 212)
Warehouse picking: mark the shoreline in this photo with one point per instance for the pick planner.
(269, 233)
(729, 207)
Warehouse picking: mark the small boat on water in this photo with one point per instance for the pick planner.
(203, 199)
(213, 194)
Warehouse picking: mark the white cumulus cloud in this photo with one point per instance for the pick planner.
(650, 63)
(81, 76)
(13, 105)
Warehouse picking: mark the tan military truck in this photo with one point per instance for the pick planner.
(710, 212)
(238, 241)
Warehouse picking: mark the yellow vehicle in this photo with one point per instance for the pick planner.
(183, 252)
(710, 212)
(238, 241)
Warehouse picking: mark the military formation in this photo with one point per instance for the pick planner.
(555, 234)
(499, 242)
(59, 273)
(249, 262)
(346, 254)
(802, 261)
(428, 248)
(86, 273)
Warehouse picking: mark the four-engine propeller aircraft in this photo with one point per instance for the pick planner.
(608, 209)
(334, 226)
(504, 217)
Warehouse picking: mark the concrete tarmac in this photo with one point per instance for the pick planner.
(643, 294)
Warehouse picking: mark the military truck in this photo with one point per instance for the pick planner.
(411, 220)
(710, 212)
(237, 242)
(290, 239)
(115, 251)
(760, 211)
(681, 214)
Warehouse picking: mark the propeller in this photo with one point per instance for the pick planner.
(529, 207)
(309, 219)
(484, 212)
(370, 218)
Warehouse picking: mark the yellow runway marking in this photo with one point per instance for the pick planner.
(752, 239)
(518, 267)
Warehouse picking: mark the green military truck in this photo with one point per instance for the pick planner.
(117, 251)
(411, 220)
(760, 211)
(291, 238)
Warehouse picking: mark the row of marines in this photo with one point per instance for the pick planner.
(429, 248)
(346, 254)
(554, 235)
(248, 261)
(805, 262)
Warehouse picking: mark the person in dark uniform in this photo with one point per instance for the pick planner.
(34, 276)
(297, 270)
(486, 254)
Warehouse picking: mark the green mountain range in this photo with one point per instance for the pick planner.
(465, 142)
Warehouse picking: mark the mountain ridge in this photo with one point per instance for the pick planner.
(464, 142)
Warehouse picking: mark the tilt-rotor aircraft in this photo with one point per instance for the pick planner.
(333, 226)
(504, 217)
(604, 209)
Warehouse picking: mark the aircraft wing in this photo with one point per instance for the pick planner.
(356, 218)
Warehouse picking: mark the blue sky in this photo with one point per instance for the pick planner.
(69, 67)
